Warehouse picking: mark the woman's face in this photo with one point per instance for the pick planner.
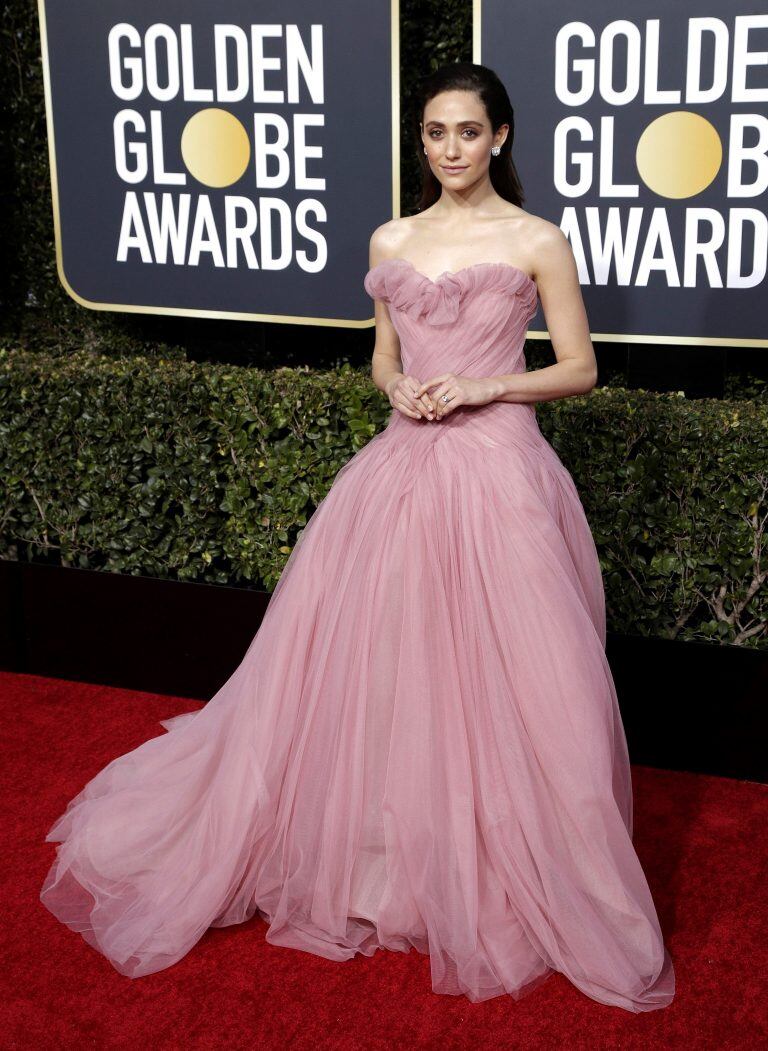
(457, 135)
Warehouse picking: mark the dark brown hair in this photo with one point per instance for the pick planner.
(470, 76)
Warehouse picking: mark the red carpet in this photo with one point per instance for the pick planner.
(702, 841)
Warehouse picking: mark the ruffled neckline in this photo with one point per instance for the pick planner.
(397, 281)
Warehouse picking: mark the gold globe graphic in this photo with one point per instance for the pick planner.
(215, 147)
(679, 154)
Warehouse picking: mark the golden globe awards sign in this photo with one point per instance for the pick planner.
(642, 131)
(222, 160)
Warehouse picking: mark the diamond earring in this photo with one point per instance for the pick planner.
(495, 150)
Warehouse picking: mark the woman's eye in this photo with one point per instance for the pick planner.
(436, 131)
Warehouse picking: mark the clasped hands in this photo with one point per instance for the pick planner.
(410, 396)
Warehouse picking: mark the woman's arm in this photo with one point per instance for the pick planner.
(386, 366)
(560, 294)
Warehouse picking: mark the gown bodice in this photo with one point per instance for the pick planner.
(472, 321)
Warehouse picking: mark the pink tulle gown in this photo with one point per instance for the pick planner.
(422, 745)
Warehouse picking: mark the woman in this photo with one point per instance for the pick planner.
(422, 746)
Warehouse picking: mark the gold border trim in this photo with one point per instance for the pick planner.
(135, 308)
(617, 337)
(683, 341)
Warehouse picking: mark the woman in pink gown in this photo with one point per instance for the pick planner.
(422, 746)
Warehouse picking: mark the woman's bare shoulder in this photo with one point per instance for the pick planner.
(388, 239)
(551, 258)
(541, 232)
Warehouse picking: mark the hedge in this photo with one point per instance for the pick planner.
(206, 472)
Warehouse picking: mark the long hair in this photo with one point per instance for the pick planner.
(470, 76)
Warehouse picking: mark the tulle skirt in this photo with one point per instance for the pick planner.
(421, 748)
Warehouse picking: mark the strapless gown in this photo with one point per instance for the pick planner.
(422, 746)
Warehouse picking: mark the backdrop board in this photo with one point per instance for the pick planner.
(642, 131)
(221, 160)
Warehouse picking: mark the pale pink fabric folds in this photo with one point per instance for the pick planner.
(422, 746)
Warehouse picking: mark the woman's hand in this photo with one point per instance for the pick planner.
(402, 393)
(461, 390)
